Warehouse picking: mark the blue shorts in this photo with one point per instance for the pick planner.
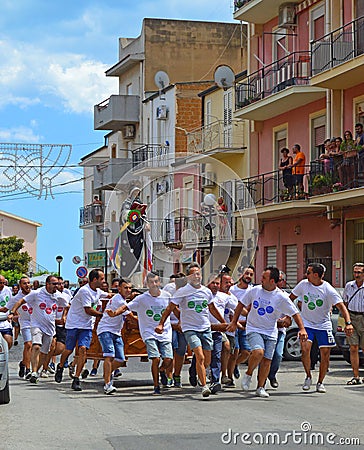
(112, 345)
(199, 339)
(258, 341)
(7, 331)
(241, 341)
(179, 343)
(27, 334)
(325, 338)
(159, 349)
(78, 336)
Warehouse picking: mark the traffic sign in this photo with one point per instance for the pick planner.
(76, 259)
(81, 272)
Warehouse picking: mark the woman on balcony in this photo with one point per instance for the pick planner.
(285, 166)
(348, 171)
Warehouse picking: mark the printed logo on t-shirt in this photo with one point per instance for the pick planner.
(42, 306)
(4, 301)
(312, 301)
(30, 309)
(197, 305)
(156, 312)
(263, 306)
(24, 308)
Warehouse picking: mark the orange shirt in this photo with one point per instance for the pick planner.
(300, 168)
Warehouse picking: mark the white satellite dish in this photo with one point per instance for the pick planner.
(161, 80)
(224, 77)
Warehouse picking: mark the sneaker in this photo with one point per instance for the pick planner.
(34, 378)
(177, 381)
(192, 377)
(236, 372)
(21, 369)
(84, 374)
(225, 380)
(71, 371)
(320, 388)
(51, 368)
(307, 384)
(164, 379)
(76, 386)
(157, 390)
(117, 373)
(274, 383)
(215, 388)
(28, 374)
(245, 382)
(205, 391)
(44, 374)
(169, 383)
(230, 384)
(59, 374)
(109, 389)
(261, 392)
(93, 373)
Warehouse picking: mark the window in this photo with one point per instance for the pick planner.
(228, 113)
(129, 89)
(271, 256)
(280, 141)
(291, 265)
(318, 130)
(317, 24)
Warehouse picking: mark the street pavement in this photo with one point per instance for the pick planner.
(52, 416)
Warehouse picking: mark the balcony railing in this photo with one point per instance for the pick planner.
(151, 156)
(292, 70)
(217, 135)
(240, 3)
(337, 47)
(90, 214)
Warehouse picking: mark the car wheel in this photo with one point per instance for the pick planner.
(5, 394)
(292, 347)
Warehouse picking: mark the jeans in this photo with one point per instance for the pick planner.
(215, 364)
(277, 357)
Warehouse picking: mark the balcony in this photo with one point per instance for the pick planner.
(277, 88)
(338, 57)
(88, 216)
(154, 159)
(109, 173)
(218, 138)
(257, 11)
(116, 111)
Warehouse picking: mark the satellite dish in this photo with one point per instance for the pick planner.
(224, 77)
(161, 79)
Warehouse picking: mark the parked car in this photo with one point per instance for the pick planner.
(4, 368)
(342, 344)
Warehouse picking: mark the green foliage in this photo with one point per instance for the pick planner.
(12, 276)
(11, 256)
(322, 180)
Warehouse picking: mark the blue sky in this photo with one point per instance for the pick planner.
(53, 56)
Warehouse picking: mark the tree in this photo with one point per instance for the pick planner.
(11, 256)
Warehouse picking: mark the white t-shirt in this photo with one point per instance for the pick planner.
(5, 296)
(42, 307)
(356, 303)
(267, 307)
(67, 298)
(223, 302)
(150, 310)
(240, 294)
(23, 311)
(171, 289)
(113, 324)
(85, 297)
(317, 302)
(193, 304)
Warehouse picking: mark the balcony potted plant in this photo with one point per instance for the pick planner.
(321, 184)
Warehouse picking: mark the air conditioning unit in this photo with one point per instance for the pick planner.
(162, 187)
(287, 15)
(129, 132)
(208, 179)
(162, 112)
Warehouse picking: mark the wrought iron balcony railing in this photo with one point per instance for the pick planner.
(90, 214)
(151, 156)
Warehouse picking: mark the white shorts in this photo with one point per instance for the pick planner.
(41, 338)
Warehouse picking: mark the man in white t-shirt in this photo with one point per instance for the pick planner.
(109, 334)
(42, 306)
(6, 327)
(150, 306)
(195, 302)
(317, 299)
(267, 303)
(85, 307)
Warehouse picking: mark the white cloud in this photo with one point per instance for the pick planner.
(19, 134)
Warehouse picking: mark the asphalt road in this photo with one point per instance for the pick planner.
(52, 416)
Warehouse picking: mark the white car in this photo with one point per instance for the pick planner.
(4, 368)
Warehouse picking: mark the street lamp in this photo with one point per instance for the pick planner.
(210, 201)
(106, 233)
(59, 259)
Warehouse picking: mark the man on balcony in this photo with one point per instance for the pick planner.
(298, 168)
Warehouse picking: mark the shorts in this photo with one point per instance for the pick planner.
(357, 338)
(231, 340)
(80, 336)
(42, 339)
(199, 339)
(179, 343)
(241, 341)
(112, 345)
(27, 334)
(298, 178)
(258, 341)
(61, 334)
(325, 338)
(6, 331)
(159, 349)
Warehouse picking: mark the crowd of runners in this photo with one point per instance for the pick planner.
(223, 323)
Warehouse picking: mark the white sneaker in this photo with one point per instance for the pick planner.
(307, 384)
(225, 380)
(245, 382)
(320, 388)
(205, 391)
(261, 392)
(109, 389)
(44, 374)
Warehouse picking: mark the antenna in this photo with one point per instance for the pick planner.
(224, 77)
(161, 79)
